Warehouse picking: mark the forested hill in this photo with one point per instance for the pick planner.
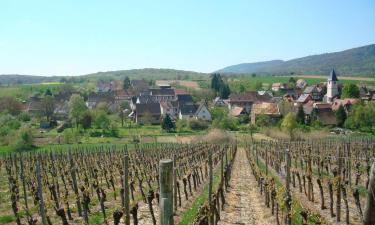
(148, 73)
(353, 62)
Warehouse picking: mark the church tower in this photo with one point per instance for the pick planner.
(332, 86)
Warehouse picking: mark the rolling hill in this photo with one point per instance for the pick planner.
(353, 62)
(148, 73)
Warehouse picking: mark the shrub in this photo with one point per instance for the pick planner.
(24, 140)
(182, 125)
(24, 116)
(198, 124)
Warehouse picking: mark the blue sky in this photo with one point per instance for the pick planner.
(74, 37)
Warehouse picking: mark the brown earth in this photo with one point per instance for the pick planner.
(244, 204)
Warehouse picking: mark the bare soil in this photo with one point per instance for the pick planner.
(244, 204)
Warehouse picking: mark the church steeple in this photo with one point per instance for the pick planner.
(332, 76)
(332, 86)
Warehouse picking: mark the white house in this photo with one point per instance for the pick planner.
(202, 113)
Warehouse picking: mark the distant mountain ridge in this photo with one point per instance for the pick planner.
(352, 62)
(146, 73)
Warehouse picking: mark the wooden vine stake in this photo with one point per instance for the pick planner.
(211, 211)
(288, 198)
(40, 195)
(369, 216)
(166, 191)
(126, 188)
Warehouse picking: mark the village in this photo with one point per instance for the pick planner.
(142, 103)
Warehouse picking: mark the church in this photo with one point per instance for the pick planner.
(332, 87)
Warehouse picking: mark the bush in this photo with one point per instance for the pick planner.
(198, 124)
(182, 126)
(229, 124)
(24, 116)
(24, 140)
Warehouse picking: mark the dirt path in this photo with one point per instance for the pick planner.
(244, 204)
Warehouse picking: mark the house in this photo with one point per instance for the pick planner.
(202, 113)
(279, 86)
(187, 111)
(194, 111)
(347, 103)
(325, 116)
(219, 102)
(169, 108)
(148, 113)
(184, 100)
(265, 108)
(61, 110)
(104, 86)
(162, 94)
(100, 97)
(122, 95)
(301, 84)
(313, 92)
(304, 98)
(139, 86)
(180, 92)
(237, 111)
(246, 100)
(367, 93)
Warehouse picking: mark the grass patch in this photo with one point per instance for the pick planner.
(189, 215)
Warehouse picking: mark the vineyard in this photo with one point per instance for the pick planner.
(266, 182)
(86, 186)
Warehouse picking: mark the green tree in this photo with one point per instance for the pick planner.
(126, 83)
(77, 108)
(362, 117)
(242, 88)
(216, 82)
(102, 121)
(258, 85)
(48, 106)
(86, 120)
(300, 115)
(350, 91)
(48, 92)
(167, 124)
(340, 116)
(292, 80)
(289, 124)
(224, 91)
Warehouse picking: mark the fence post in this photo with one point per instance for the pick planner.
(288, 198)
(175, 181)
(369, 216)
(211, 214)
(166, 191)
(40, 195)
(338, 193)
(126, 188)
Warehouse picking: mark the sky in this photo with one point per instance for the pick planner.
(73, 37)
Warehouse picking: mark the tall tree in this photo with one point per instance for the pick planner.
(340, 116)
(224, 91)
(77, 108)
(350, 91)
(48, 106)
(300, 115)
(126, 83)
